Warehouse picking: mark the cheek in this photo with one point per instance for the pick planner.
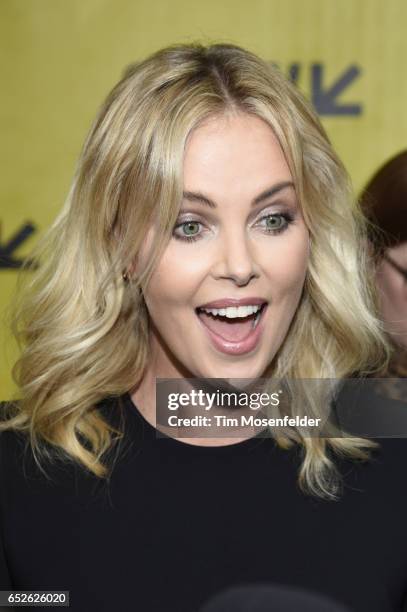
(286, 266)
(388, 288)
(174, 283)
(288, 288)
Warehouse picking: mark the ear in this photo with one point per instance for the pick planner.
(131, 269)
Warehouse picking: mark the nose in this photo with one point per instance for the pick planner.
(235, 259)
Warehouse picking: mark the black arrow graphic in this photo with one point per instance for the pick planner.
(325, 100)
(7, 260)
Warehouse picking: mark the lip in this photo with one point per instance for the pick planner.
(225, 302)
(242, 347)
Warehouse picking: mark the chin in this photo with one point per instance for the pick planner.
(232, 371)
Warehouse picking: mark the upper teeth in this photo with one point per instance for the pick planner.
(233, 312)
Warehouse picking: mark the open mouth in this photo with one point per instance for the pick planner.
(233, 324)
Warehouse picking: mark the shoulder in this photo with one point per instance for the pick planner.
(13, 443)
(391, 455)
(379, 482)
(363, 410)
(21, 466)
(49, 462)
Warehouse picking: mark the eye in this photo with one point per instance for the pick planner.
(188, 230)
(276, 223)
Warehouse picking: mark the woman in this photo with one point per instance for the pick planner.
(384, 202)
(206, 184)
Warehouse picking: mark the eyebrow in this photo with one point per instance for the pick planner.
(198, 197)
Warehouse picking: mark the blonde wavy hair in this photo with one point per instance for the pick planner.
(83, 331)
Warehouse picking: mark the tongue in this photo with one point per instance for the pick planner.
(233, 330)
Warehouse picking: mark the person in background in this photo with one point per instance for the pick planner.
(384, 201)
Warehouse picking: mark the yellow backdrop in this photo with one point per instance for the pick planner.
(59, 58)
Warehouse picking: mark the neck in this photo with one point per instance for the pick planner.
(144, 395)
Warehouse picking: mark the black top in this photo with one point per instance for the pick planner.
(177, 523)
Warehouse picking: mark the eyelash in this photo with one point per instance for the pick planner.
(286, 216)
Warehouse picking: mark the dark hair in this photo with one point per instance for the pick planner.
(384, 201)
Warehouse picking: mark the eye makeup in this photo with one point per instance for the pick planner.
(285, 218)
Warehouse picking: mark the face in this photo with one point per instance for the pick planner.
(229, 282)
(392, 286)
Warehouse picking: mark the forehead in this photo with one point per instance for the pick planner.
(239, 151)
